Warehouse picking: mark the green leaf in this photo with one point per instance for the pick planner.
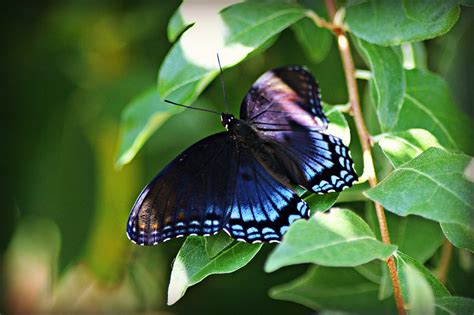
(341, 289)
(459, 235)
(338, 125)
(385, 289)
(192, 264)
(336, 238)
(438, 289)
(180, 20)
(403, 146)
(217, 243)
(320, 203)
(420, 299)
(390, 23)
(415, 236)
(315, 41)
(371, 271)
(418, 237)
(142, 116)
(234, 33)
(432, 185)
(454, 305)
(428, 105)
(388, 81)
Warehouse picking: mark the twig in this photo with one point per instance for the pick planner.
(443, 268)
(369, 170)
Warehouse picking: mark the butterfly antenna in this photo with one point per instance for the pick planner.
(196, 108)
(222, 84)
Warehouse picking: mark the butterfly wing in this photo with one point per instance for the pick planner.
(190, 196)
(318, 162)
(283, 99)
(216, 184)
(285, 108)
(262, 207)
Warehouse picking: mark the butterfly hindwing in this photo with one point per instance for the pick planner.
(323, 161)
(190, 196)
(262, 208)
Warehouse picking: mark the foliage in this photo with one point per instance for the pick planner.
(422, 148)
(422, 135)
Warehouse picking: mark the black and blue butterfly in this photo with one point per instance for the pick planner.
(242, 180)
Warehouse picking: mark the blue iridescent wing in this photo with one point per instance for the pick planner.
(284, 107)
(190, 196)
(216, 184)
(316, 161)
(262, 206)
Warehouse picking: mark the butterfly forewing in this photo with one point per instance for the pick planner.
(284, 107)
(284, 99)
(188, 197)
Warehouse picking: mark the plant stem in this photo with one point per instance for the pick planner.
(369, 170)
(443, 268)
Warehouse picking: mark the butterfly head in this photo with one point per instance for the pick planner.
(227, 120)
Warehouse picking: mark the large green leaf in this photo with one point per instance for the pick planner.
(395, 22)
(192, 264)
(387, 83)
(459, 235)
(432, 185)
(428, 105)
(336, 238)
(140, 119)
(420, 299)
(403, 260)
(341, 289)
(454, 305)
(234, 33)
(403, 146)
(315, 41)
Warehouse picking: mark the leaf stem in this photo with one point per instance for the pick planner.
(369, 170)
(443, 268)
(363, 74)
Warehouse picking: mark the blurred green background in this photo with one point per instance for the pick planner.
(69, 69)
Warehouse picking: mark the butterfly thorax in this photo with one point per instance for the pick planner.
(239, 128)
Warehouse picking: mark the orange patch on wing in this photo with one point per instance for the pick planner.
(181, 216)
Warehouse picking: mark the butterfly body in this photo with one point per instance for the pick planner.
(242, 180)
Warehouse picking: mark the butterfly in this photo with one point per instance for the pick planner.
(243, 180)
